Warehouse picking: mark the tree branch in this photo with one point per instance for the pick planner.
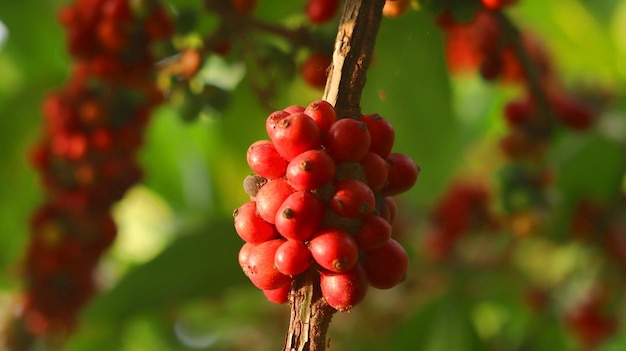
(354, 46)
(544, 124)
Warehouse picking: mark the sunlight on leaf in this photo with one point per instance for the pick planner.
(145, 224)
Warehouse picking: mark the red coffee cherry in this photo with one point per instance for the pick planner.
(101, 140)
(159, 25)
(272, 121)
(517, 112)
(402, 176)
(293, 109)
(86, 156)
(265, 160)
(572, 112)
(300, 215)
(323, 113)
(344, 290)
(315, 69)
(278, 296)
(334, 249)
(373, 233)
(292, 258)
(244, 6)
(310, 170)
(250, 227)
(321, 11)
(270, 197)
(111, 36)
(388, 209)
(296, 134)
(497, 4)
(259, 266)
(382, 134)
(347, 140)
(375, 169)
(386, 266)
(244, 254)
(353, 198)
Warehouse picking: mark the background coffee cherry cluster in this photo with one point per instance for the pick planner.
(86, 157)
(321, 202)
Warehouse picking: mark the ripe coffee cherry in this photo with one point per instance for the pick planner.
(571, 112)
(321, 11)
(259, 266)
(344, 290)
(382, 134)
(347, 140)
(386, 266)
(310, 170)
(402, 176)
(375, 169)
(323, 186)
(250, 227)
(278, 296)
(334, 249)
(293, 109)
(86, 155)
(265, 160)
(315, 69)
(270, 197)
(353, 198)
(492, 65)
(396, 8)
(244, 6)
(296, 134)
(517, 112)
(497, 4)
(244, 254)
(388, 209)
(292, 258)
(111, 36)
(323, 113)
(300, 215)
(272, 120)
(374, 233)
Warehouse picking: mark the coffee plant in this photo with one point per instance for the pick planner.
(416, 174)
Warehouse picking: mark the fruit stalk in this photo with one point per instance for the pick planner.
(512, 34)
(310, 314)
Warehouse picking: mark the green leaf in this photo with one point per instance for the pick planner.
(442, 325)
(589, 165)
(200, 264)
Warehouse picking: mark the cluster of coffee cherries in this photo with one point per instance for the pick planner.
(320, 201)
(86, 157)
(463, 207)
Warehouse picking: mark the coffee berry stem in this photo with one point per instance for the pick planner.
(310, 315)
(358, 27)
(545, 124)
(354, 47)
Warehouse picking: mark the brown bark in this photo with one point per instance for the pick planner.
(354, 47)
(310, 315)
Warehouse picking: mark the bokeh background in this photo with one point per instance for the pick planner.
(171, 280)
